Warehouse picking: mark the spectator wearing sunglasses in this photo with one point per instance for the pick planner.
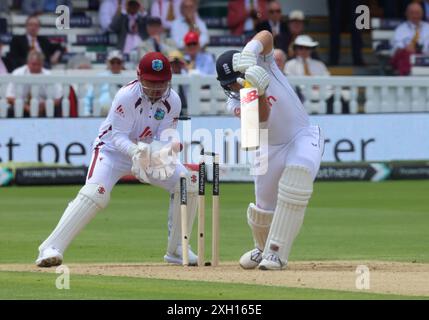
(197, 60)
(276, 25)
(304, 65)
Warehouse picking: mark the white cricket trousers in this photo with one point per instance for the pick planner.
(305, 149)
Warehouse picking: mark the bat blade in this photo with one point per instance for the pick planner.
(249, 105)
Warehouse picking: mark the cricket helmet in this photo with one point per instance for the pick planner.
(154, 66)
(225, 72)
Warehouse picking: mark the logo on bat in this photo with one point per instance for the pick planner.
(249, 97)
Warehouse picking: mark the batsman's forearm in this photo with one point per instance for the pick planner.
(266, 39)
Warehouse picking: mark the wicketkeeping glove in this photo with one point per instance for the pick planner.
(163, 159)
(258, 78)
(140, 157)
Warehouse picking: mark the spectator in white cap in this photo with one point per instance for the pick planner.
(296, 21)
(304, 65)
(115, 66)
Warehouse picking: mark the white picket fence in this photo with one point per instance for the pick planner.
(206, 97)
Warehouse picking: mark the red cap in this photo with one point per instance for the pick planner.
(154, 66)
(191, 37)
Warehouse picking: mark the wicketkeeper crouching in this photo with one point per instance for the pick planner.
(134, 139)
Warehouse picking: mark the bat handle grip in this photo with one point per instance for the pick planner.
(247, 84)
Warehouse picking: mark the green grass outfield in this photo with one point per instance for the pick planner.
(345, 221)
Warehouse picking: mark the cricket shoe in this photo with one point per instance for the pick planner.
(251, 259)
(176, 257)
(272, 262)
(49, 257)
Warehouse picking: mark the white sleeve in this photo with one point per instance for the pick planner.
(232, 104)
(122, 114)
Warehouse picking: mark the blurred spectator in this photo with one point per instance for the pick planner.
(189, 21)
(280, 59)
(178, 66)
(130, 26)
(411, 37)
(157, 40)
(34, 66)
(108, 9)
(21, 45)
(295, 24)
(275, 25)
(167, 10)
(3, 69)
(115, 65)
(245, 15)
(342, 17)
(198, 61)
(77, 62)
(304, 65)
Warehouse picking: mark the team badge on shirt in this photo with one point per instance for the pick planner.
(159, 114)
(157, 65)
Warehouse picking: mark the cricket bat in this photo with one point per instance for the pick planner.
(249, 115)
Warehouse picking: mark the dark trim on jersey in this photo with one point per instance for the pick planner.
(132, 82)
(167, 105)
(104, 132)
(138, 102)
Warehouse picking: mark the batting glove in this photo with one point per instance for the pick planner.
(258, 78)
(244, 60)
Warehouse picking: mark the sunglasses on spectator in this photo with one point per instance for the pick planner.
(191, 44)
(302, 48)
(275, 11)
(115, 61)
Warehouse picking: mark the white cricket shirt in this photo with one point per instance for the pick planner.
(287, 115)
(134, 118)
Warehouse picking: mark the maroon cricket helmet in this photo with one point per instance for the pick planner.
(154, 66)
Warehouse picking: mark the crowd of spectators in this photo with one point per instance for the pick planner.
(175, 28)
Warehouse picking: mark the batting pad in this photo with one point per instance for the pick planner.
(174, 215)
(259, 221)
(295, 189)
(90, 199)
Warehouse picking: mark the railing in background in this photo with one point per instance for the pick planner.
(206, 97)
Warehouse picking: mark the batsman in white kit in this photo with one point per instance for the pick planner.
(294, 151)
(134, 139)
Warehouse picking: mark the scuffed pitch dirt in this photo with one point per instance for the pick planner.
(385, 277)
